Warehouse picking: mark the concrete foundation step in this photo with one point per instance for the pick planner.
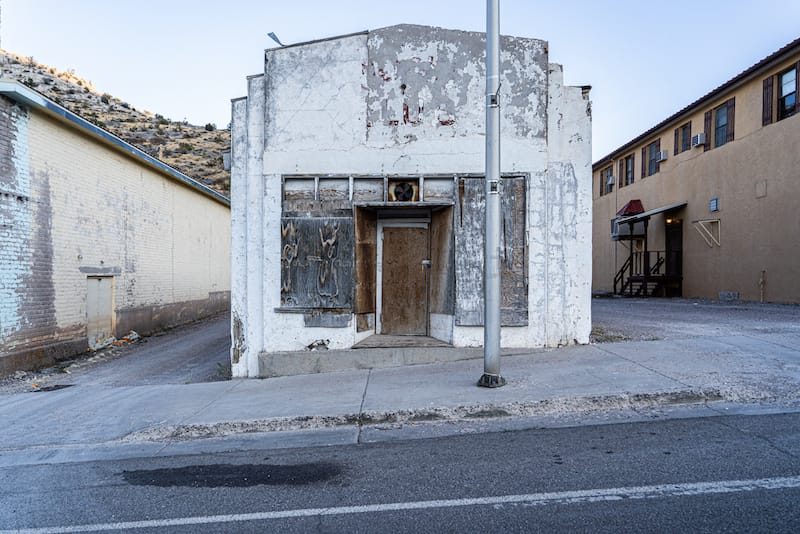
(325, 361)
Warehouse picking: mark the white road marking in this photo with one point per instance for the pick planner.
(532, 499)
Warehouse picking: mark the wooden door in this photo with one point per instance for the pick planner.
(404, 301)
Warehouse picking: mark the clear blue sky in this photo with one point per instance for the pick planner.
(188, 58)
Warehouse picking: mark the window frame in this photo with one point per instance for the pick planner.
(720, 140)
(649, 153)
(782, 113)
(652, 155)
(605, 174)
(686, 137)
(719, 135)
(629, 168)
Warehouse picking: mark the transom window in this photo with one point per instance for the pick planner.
(787, 93)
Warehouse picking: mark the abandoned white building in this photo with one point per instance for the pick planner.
(98, 238)
(358, 191)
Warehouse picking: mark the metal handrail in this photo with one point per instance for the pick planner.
(645, 268)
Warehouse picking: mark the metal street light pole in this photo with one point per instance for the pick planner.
(491, 276)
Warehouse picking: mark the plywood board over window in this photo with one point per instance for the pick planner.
(469, 244)
(317, 263)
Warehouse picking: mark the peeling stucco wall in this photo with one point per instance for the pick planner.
(340, 103)
(407, 101)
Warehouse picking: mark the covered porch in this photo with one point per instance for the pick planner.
(645, 272)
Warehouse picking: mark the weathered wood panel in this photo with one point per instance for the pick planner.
(366, 257)
(317, 262)
(469, 243)
(316, 208)
(334, 189)
(365, 322)
(442, 272)
(327, 319)
(439, 189)
(368, 190)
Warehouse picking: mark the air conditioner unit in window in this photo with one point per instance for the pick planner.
(610, 180)
(661, 156)
(699, 139)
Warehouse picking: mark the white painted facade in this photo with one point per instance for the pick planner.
(408, 101)
(84, 210)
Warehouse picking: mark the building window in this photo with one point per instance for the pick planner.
(787, 93)
(683, 138)
(629, 170)
(722, 126)
(650, 158)
(606, 180)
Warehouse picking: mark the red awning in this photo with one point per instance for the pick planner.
(633, 207)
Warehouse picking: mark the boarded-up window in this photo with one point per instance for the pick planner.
(317, 262)
(469, 243)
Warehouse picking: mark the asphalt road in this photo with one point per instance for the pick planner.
(722, 474)
(197, 352)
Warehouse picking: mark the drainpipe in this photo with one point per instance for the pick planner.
(491, 277)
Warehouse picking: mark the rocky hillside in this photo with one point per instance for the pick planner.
(194, 150)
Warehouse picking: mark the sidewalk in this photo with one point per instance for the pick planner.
(603, 382)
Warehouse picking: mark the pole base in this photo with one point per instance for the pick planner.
(491, 381)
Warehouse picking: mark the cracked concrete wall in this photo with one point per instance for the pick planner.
(238, 237)
(409, 100)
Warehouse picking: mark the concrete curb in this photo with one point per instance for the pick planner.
(472, 412)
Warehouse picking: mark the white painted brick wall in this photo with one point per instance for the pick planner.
(164, 242)
(14, 217)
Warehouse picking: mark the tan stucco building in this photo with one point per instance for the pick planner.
(718, 190)
(98, 238)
